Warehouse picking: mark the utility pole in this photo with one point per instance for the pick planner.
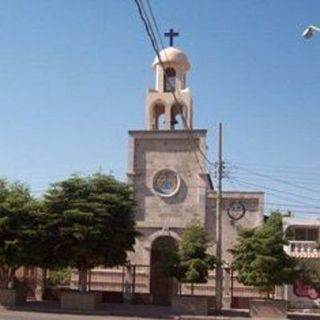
(219, 270)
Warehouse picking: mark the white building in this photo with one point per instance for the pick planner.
(304, 245)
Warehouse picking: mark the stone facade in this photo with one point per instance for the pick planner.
(173, 187)
(178, 152)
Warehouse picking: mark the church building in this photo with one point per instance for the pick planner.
(167, 166)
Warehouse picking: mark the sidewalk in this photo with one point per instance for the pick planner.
(51, 310)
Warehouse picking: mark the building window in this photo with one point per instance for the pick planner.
(170, 80)
(306, 234)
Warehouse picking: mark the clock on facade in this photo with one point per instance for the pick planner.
(236, 210)
(166, 183)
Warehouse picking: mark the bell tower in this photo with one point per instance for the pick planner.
(169, 104)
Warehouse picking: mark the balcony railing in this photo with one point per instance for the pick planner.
(303, 249)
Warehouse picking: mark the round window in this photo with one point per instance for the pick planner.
(166, 183)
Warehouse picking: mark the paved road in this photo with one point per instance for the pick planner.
(116, 312)
(51, 311)
(31, 315)
(23, 315)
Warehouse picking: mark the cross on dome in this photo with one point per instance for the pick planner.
(171, 34)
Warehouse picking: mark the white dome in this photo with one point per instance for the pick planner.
(172, 55)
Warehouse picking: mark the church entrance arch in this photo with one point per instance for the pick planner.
(161, 286)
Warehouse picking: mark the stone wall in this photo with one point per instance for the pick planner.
(253, 217)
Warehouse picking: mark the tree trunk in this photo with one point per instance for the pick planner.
(4, 283)
(45, 277)
(11, 276)
(83, 275)
(7, 277)
(40, 288)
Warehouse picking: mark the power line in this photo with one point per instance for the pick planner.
(147, 25)
(280, 167)
(155, 23)
(292, 205)
(279, 204)
(282, 172)
(150, 33)
(288, 178)
(290, 175)
(278, 180)
(275, 193)
(279, 170)
(280, 191)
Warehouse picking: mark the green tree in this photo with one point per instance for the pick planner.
(18, 230)
(190, 262)
(259, 257)
(92, 222)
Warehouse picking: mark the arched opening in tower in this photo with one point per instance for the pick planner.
(158, 116)
(178, 118)
(169, 80)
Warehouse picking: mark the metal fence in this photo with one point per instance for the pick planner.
(134, 280)
(129, 278)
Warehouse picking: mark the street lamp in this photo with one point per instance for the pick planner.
(310, 31)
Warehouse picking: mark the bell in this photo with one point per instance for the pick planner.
(174, 122)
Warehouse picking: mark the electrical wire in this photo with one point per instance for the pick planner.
(155, 46)
(277, 180)
(271, 191)
(287, 169)
(155, 23)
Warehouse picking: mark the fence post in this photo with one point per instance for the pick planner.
(231, 290)
(40, 283)
(128, 286)
(134, 280)
(89, 281)
(226, 297)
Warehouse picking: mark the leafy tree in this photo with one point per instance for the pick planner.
(18, 231)
(92, 222)
(260, 259)
(189, 262)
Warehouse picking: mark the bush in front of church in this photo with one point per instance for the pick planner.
(259, 257)
(189, 261)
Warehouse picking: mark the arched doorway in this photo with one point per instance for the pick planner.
(161, 286)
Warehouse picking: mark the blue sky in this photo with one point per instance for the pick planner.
(74, 73)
